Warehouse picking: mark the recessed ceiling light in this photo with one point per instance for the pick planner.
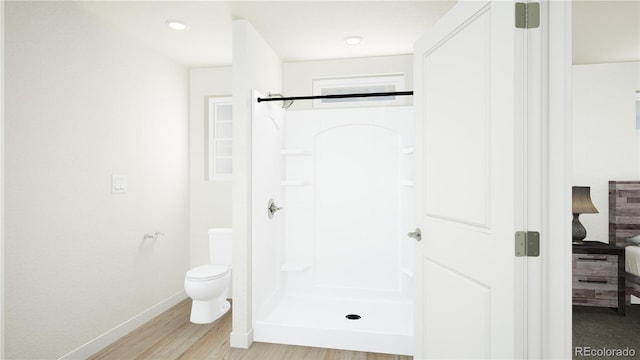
(176, 24)
(353, 40)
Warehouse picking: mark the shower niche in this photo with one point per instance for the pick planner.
(334, 267)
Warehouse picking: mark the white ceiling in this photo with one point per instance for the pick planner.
(604, 31)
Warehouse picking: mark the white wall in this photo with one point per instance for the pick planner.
(255, 66)
(84, 102)
(298, 75)
(209, 201)
(605, 142)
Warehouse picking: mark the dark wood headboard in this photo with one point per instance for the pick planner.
(624, 211)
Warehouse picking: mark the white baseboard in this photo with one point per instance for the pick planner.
(242, 341)
(123, 329)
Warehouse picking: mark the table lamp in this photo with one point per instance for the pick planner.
(581, 204)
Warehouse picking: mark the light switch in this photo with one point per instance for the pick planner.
(118, 184)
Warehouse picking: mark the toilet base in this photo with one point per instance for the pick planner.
(206, 312)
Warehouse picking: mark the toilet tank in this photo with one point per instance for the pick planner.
(220, 245)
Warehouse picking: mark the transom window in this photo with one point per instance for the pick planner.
(358, 85)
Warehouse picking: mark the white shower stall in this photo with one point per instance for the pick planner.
(333, 266)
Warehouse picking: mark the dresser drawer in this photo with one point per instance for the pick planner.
(595, 291)
(595, 265)
(595, 282)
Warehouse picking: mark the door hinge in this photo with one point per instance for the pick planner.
(527, 15)
(527, 243)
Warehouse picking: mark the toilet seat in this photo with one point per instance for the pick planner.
(207, 272)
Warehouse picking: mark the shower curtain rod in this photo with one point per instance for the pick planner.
(337, 96)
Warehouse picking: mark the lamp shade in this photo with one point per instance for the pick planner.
(582, 203)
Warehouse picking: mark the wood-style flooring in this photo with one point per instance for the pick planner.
(171, 336)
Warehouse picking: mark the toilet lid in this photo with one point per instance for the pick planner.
(207, 272)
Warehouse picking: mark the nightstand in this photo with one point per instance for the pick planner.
(598, 275)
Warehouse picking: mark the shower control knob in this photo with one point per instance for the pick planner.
(416, 234)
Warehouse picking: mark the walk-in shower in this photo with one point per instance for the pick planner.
(332, 265)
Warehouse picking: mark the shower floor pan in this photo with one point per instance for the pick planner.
(383, 327)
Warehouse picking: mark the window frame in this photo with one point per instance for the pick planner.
(359, 84)
(214, 138)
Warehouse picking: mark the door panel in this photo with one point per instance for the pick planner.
(466, 299)
(468, 119)
(464, 135)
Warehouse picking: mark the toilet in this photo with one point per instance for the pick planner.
(208, 285)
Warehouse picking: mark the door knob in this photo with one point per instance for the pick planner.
(416, 234)
(272, 208)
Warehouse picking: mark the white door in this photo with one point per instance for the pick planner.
(469, 196)
(267, 121)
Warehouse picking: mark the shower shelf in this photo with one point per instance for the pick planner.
(295, 152)
(295, 183)
(407, 183)
(295, 267)
(407, 150)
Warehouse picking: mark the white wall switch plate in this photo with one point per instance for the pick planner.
(118, 184)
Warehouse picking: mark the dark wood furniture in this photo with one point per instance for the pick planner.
(624, 222)
(598, 275)
(624, 211)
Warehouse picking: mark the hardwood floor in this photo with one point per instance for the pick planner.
(171, 336)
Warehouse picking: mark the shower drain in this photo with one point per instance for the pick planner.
(353, 317)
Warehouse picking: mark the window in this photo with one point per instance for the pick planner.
(220, 138)
(356, 85)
